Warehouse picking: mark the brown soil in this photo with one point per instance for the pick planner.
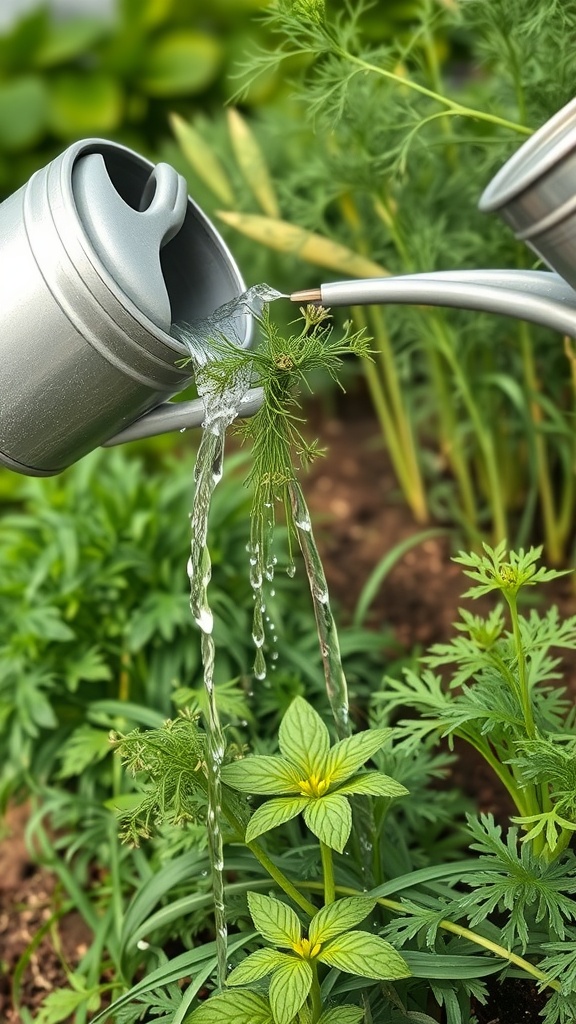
(360, 517)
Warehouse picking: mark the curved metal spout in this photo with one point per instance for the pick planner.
(179, 416)
(537, 296)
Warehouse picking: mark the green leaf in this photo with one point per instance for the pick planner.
(203, 159)
(339, 917)
(86, 746)
(61, 1005)
(255, 966)
(373, 784)
(289, 987)
(366, 955)
(303, 738)
(347, 756)
(232, 1008)
(274, 813)
(342, 1015)
(261, 774)
(180, 63)
(330, 819)
(23, 112)
(275, 921)
(68, 39)
(84, 102)
(90, 667)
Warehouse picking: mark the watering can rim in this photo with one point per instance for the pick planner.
(551, 143)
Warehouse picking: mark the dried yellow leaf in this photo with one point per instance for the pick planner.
(252, 163)
(309, 246)
(202, 159)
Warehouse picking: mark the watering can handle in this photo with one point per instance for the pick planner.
(179, 416)
(539, 296)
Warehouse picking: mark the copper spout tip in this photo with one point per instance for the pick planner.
(308, 295)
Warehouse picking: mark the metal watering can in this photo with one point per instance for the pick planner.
(101, 252)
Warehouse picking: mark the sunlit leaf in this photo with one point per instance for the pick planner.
(347, 756)
(84, 103)
(303, 738)
(232, 1008)
(68, 39)
(330, 819)
(307, 245)
(202, 158)
(366, 955)
(180, 63)
(373, 784)
(339, 916)
(23, 112)
(274, 813)
(261, 774)
(275, 921)
(289, 987)
(252, 163)
(256, 966)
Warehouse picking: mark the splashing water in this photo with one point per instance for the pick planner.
(228, 322)
(336, 687)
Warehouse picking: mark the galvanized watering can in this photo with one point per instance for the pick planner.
(102, 252)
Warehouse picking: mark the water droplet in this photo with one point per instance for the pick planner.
(272, 592)
(182, 430)
(291, 570)
(142, 944)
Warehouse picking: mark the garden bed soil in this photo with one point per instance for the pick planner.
(359, 517)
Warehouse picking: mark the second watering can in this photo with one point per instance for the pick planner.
(100, 253)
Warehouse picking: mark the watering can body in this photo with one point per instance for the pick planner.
(100, 253)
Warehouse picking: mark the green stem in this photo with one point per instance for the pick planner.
(457, 929)
(525, 696)
(281, 880)
(485, 441)
(389, 429)
(407, 83)
(263, 859)
(328, 873)
(505, 776)
(449, 433)
(404, 427)
(315, 994)
(553, 541)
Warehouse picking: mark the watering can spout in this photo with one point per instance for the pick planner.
(540, 297)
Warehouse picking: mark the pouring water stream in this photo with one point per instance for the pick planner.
(220, 411)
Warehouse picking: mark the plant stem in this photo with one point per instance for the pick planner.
(525, 696)
(407, 83)
(281, 880)
(457, 929)
(262, 857)
(328, 873)
(404, 426)
(315, 994)
(553, 541)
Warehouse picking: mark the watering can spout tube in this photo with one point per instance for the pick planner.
(540, 297)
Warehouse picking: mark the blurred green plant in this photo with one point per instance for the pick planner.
(378, 161)
(89, 76)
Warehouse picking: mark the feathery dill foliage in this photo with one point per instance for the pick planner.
(170, 764)
(281, 365)
(500, 698)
